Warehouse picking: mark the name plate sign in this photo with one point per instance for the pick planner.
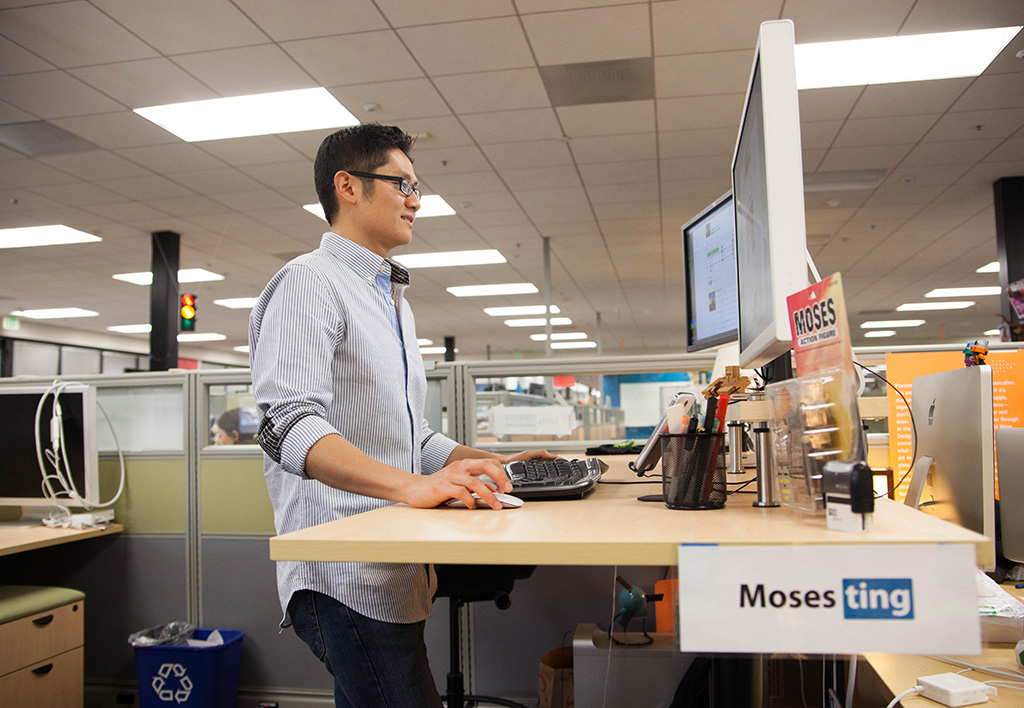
(850, 599)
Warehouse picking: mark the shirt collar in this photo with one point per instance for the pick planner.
(363, 261)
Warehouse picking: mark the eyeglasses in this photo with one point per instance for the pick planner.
(404, 185)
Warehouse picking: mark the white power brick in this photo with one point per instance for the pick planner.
(92, 518)
(955, 690)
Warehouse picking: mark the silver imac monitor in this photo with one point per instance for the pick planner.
(955, 447)
(1010, 458)
(767, 182)
(709, 261)
(20, 476)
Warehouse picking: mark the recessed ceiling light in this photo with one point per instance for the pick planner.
(488, 290)
(558, 336)
(132, 329)
(927, 306)
(516, 311)
(992, 267)
(315, 209)
(539, 322)
(880, 333)
(965, 292)
(423, 342)
(243, 116)
(886, 324)
(573, 345)
(53, 235)
(54, 313)
(992, 333)
(201, 337)
(450, 258)
(435, 350)
(244, 349)
(434, 205)
(185, 275)
(886, 60)
(237, 303)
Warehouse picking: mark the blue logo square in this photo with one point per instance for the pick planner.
(878, 598)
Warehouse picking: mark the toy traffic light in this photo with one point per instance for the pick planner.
(188, 312)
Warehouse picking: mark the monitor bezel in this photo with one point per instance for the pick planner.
(695, 345)
(774, 58)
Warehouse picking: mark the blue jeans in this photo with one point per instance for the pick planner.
(374, 664)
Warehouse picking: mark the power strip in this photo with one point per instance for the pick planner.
(955, 690)
(92, 518)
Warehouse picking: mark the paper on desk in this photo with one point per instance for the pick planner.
(1002, 615)
(213, 639)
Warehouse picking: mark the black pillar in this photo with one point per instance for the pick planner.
(1009, 203)
(449, 348)
(163, 301)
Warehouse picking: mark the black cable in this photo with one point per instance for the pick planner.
(913, 430)
(739, 489)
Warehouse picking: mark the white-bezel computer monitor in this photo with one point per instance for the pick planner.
(709, 262)
(20, 477)
(767, 181)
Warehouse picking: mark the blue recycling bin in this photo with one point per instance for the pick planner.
(190, 677)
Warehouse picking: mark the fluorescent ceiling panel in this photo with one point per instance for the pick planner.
(435, 350)
(53, 235)
(451, 258)
(539, 322)
(886, 324)
(132, 329)
(243, 116)
(244, 349)
(519, 310)
(430, 205)
(887, 60)
(558, 336)
(423, 342)
(237, 303)
(992, 333)
(201, 337)
(54, 313)
(992, 267)
(497, 289)
(185, 275)
(929, 306)
(965, 292)
(880, 333)
(573, 345)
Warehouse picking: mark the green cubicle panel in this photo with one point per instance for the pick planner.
(154, 496)
(233, 497)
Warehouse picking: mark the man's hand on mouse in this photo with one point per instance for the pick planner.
(459, 480)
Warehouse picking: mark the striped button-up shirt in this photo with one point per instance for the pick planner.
(332, 351)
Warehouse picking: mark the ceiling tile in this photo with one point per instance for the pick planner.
(16, 60)
(123, 129)
(216, 181)
(405, 13)
(431, 161)
(827, 103)
(489, 91)
(250, 151)
(697, 112)
(509, 126)
(817, 21)
(463, 183)
(80, 194)
(32, 173)
(894, 130)
(863, 158)
(949, 15)
(169, 159)
(54, 94)
(614, 148)
(593, 34)
(1007, 61)
(950, 152)
(541, 177)
(527, 7)
(819, 134)
(968, 125)
(145, 189)
(483, 45)
(95, 165)
(392, 101)
(543, 153)
(907, 98)
(689, 143)
(147, 82)
(995, 91)
(692, 26)
(10, 114)
(282, 174)
(230, 72)
(71, 34)
(441, 132)
(702, 74)
(354, 58)
(284, 21)
(607, 118)
(186, 25)
(645, 171)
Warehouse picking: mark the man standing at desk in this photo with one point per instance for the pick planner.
(339, 381)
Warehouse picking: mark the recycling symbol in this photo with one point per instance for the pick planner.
(171, 683)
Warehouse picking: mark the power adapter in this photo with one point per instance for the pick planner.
(93, 518)
(955, 690)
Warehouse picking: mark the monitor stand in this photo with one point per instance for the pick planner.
(778, 369)
(30, 517)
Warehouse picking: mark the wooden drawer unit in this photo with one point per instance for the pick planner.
(41, 646)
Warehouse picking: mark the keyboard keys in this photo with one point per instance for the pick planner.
(553, 479)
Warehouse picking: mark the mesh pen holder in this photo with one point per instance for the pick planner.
(694, 468)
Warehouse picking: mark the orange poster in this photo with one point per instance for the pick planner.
(1007, 396)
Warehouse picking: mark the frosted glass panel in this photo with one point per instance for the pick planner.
(145, 418)
(234, 419)
(78, 360)
(35, 359)
(118, 363)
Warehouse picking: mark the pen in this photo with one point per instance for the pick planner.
(709, 416)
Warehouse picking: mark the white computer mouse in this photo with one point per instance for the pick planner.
(507, 502)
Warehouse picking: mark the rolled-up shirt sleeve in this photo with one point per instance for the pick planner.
(298, 325)
(435, 449)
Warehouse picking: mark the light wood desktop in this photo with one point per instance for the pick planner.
(608, 527)
(18, 539)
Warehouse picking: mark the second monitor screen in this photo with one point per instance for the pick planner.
(709, 242)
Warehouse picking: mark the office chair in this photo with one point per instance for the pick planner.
(473, 583)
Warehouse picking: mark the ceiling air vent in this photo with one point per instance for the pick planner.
(599, 82)
(39, 139)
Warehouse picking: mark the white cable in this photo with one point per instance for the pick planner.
(1012, 674)
(908, 692)
(1015, 685)
(851, 681)
(611, 628)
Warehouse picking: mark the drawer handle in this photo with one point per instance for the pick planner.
(42, 621)
(43, 670)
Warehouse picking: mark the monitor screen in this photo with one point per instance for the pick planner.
(767, 180)
(953, 418)
(20, 476)
(709, 259)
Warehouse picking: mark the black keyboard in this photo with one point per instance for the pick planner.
(554, 479)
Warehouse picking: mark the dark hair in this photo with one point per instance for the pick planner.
(361, 148)
(238, 421)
